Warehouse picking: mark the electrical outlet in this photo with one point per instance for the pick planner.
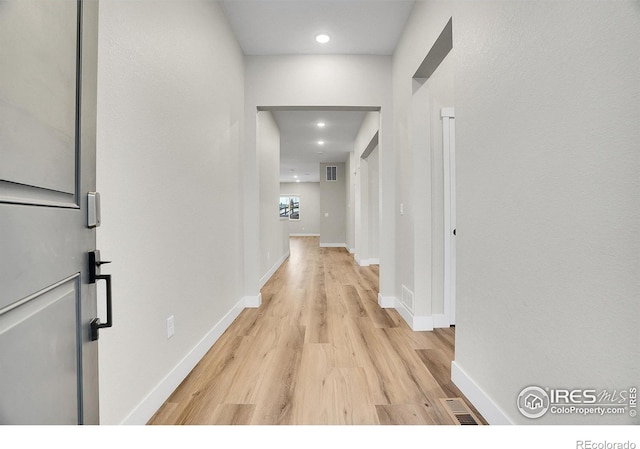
(171, 328)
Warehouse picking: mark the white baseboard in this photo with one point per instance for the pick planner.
(152, 402)
(366, 262)
(333, 245)
(480, 400)
(252, 302)
(441, 320)
(416, 323)
(304, 235)
(386, 302)
(273, 269)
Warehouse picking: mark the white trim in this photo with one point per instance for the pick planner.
(333, 245)
(441, 320)
(351, 250)
(252, 302)
(366, 262)
(454, 225)
(416, 323)
(273, 269)
(152, 402)
(304, 235)
(448, 155)
(386, 302)
(480, 400)
(447, 112)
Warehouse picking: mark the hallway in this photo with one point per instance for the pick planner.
(318, 351)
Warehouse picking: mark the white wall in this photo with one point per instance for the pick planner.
(350, 167)
(274, 241)
(374, 204)
(327, 81)
(547, 105)
(419, 170)
(364, 199)
(170, 121)
(309, 193)
(548, 198)
(333, 206)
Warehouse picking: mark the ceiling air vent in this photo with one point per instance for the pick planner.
(332, 173)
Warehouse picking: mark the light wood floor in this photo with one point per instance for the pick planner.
(319, 350)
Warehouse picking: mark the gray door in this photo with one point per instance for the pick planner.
(48, 364)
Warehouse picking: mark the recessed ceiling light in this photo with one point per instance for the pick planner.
(320, 142)
(320, 124)
(322, 38)
(319, 152)
(297, 180)
(295, 176)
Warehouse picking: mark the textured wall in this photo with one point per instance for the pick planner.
(360, 178)
(419, 166)
(170, 99)
(333, 206)
(547, 103)
(272, 231)
(309, 193)
(547, 113)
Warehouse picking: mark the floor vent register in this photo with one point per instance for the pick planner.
(460, 412)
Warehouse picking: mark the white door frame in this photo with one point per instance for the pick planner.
(449, 163)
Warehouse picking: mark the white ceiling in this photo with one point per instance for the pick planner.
(300, 152)
(276, 27)
(282, 27)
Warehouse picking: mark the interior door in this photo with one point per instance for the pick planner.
(48, 363)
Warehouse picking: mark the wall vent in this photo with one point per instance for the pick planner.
(460, 412)
(407, 298)
(332, 173)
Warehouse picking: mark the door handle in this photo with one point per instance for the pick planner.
(94, 277)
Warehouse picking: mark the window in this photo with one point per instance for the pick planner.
(332, 173)
(290, 207)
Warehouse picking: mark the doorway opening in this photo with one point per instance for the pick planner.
(433, 158)
(323, 158)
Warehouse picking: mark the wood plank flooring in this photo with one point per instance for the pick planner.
(319, 350)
